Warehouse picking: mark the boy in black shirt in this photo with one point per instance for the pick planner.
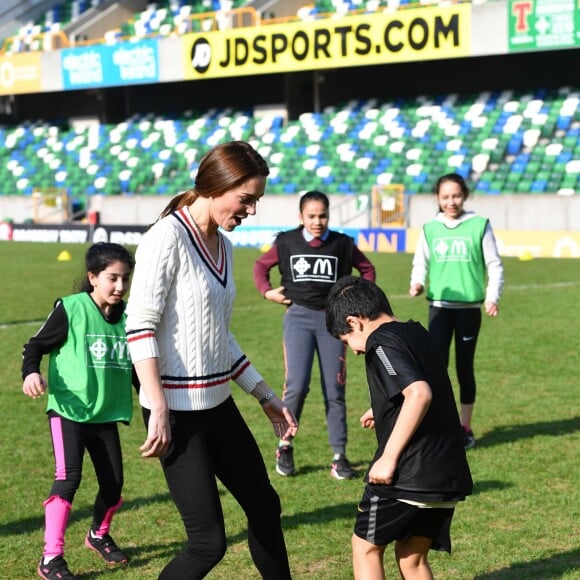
(419, 471)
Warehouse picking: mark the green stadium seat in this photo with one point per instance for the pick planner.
(339, 150)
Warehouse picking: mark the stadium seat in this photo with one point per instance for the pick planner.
(495, 140)
(55, 19)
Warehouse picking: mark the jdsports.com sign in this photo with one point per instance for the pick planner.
(380, 38)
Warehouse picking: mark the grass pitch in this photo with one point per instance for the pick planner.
(520, 523)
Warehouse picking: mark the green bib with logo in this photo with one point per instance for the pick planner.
(456, 264)
(89, 376)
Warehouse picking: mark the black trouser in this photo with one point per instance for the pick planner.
(464, 325)
(217, 443)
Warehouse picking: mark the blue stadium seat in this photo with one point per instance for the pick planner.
(343, 149)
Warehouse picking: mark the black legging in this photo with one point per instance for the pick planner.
(218, 443)
(101, 440)
(464, 325)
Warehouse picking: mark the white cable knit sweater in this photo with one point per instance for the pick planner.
(179, 310)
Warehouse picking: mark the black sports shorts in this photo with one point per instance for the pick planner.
(381, 521)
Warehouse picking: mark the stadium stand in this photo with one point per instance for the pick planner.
(503, 130)
(503, 142)
(169, 17)
(161, 18)
(340, 7)
(36, 35)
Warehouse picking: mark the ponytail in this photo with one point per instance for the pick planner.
(179, 201)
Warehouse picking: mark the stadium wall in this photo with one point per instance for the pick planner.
(522, 243)
(525, 226)
(539, 213)
(509, 212)
(459, 31)
(40, 85)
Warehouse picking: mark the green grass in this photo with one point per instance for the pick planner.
(521, 522)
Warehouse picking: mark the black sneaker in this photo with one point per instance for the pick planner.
(106, 548)
(285, 460)
(57, 568)
(341, 469)
(468, 438)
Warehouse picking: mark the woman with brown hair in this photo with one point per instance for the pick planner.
(178, 329)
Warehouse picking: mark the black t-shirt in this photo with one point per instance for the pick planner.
(433, 466)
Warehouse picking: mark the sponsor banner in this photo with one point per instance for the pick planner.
(368, 240)
(564, 244)
(524, 244)
(20, 73)
(538, 244)
(71, 234)
(412, 239)
(543, 24)
(427, 33)
(388, 241)
(103, 65)
(253, 236)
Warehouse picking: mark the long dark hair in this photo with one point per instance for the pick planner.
(455, 178)
(224, 167)
(98, 258)
(314, 196)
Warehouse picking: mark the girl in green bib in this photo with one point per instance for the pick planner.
(89, 391)
(455, 254)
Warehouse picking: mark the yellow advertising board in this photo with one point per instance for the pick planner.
(427, 33)
(20, 73)
(525, 244)
(538, 244)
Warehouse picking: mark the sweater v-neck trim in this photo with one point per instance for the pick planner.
(218, 269)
